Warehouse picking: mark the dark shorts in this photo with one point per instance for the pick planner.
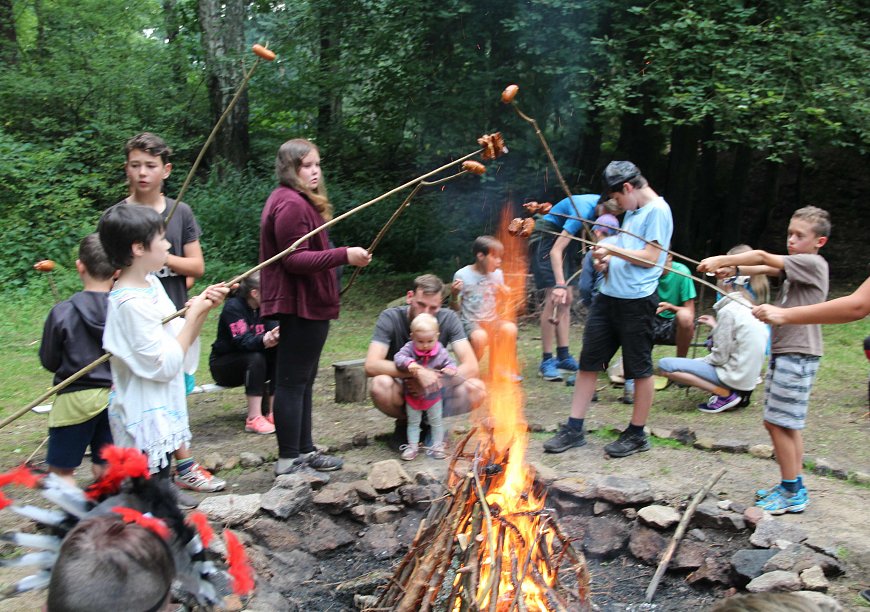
(665, 330)
(614, 323)
(539, 261)
(66, 445)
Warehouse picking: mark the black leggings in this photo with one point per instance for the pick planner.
(299, 350)
(255, 370)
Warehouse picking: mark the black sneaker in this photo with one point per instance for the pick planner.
(627, 444)
(324, 463)
(396, 438)
(568, 437)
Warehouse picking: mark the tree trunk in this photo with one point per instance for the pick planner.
(8, 37)
(732, 209)
(329, 97)
(680, 183)
(223, 41)
(707, 203)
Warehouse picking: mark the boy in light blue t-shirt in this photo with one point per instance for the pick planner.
(622, 314)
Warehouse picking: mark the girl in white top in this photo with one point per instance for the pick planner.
(147, 407)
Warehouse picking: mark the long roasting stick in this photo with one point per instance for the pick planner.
(262, 53)
(657, 265)
(74, 377)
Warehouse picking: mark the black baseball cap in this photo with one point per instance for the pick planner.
(617, 173)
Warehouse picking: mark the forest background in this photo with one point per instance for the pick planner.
(738, 112)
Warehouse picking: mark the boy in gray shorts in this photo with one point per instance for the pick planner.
(795, 349)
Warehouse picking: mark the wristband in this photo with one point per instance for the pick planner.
(560, 286)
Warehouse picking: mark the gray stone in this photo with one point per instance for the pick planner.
(861, 477)
(426, 478)
(386, 514)
(661, 433)
(629, 513)
(704, 443)
(392, 498)
(230, 463)
(326, 536)
(337, 497)
(572, 495)
(826, 603)
(727, 445)
(600, 507)
(413, 495)
(761, 451)
(250, 460)
(364, 602)
(660, 517)
(689, 556)
(360, 513)
(574, 526)
(341, 447)
(777, 581)
(360, 439)
(230, 509)
(536, 427)
(388, 475)
(624, 491)
(738, 508)
(296, 566)
(748, 563)
(381, 541)
(365, 584)
(797, 558)
(813, 579)
(316, 480)
(544, 474)
(269, 602)
(769, 530)
(823, 467)
(824, 545)
(709, 514)
(698, 534)
(213, 462)
(365, 490)
(284, 501)
(605, 537)
(646, 544)
(752, 515)
(274, 535)
(724, 504)
(684, 435)
(714, 570)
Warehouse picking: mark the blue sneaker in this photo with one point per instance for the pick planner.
(782, 502)
(569, 364)
(762, 493)
(549, 371)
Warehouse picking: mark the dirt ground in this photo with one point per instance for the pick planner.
(837, 511)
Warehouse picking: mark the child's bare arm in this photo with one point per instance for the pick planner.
(750, 263)
(646, 257)
(191, 263)
(842, 310)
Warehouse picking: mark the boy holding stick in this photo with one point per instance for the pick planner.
(623, 313)
(795, 349)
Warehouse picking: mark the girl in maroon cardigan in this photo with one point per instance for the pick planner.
(301, 292)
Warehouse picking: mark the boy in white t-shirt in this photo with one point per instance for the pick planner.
(475, 292)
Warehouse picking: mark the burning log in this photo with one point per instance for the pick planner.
(470, 542)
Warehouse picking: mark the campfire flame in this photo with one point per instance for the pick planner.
(490, 544)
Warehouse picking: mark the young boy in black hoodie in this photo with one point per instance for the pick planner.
(73, 338)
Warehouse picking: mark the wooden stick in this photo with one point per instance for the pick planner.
(211, 137)
(592, 222)
(74, 377)
(558, 603)
(657, 265)
(496, 569)
(678, 535)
